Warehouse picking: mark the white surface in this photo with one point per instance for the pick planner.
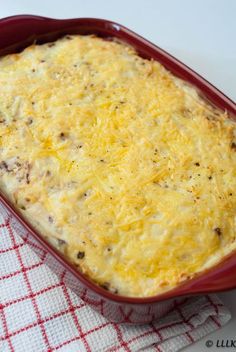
(199, 33)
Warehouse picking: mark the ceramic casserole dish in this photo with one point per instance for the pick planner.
(18, 32)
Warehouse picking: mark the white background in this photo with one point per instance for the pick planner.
(200, 33)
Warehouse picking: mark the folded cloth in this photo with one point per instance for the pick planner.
(39, 312)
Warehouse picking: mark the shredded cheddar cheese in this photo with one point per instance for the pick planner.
(118, 163)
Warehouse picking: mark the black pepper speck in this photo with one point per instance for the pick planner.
(50, 219)
(105, 285)
(233, 146)
(218, 231)
(80, 255)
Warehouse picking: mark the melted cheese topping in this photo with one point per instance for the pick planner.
(118, 163)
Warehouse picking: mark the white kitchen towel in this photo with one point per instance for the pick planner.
(39, 312)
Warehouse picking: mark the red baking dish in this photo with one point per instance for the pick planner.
(16, 33)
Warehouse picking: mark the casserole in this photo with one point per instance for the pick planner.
(147, 50)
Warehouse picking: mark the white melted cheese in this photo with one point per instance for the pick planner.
(122, 166)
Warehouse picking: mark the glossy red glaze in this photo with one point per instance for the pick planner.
(16, 33)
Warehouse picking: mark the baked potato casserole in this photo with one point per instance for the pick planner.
(119, 164)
